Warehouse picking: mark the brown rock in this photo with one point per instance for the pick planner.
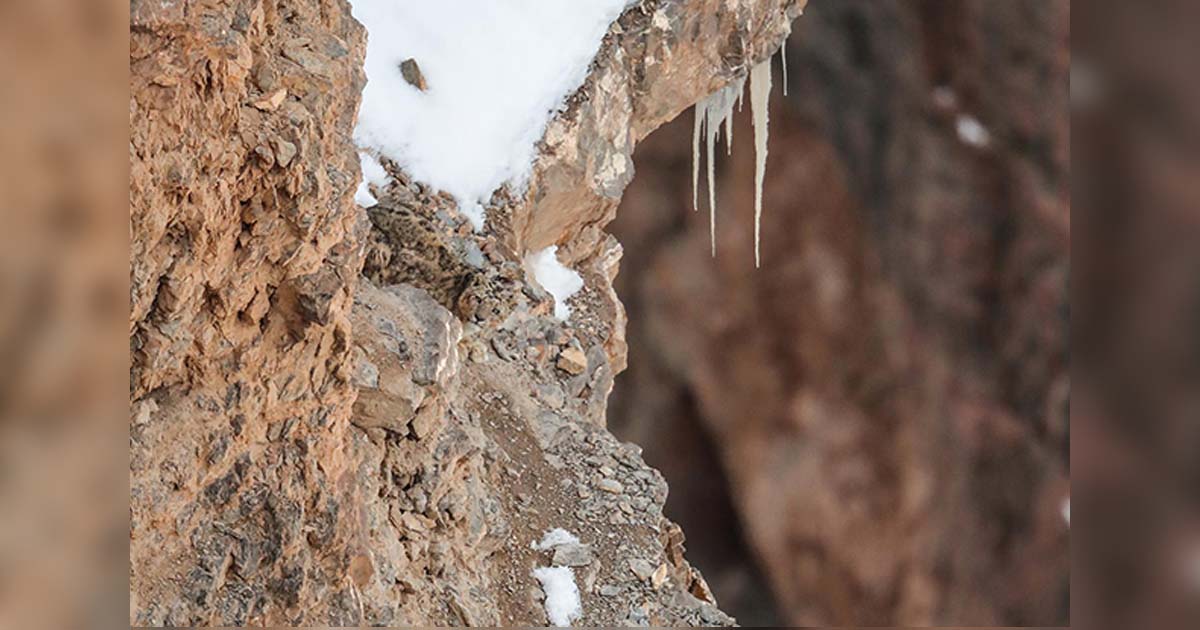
(284, 152)
(904, 349)
(412, 74)
(272, 101)
(239, 315)
(611, 486)
(572, 360)
(572, 555)
(659, 577)
(641, 568)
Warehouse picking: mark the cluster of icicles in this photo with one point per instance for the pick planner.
(717, 109)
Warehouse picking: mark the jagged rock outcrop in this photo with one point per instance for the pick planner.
(889, 394)
(244, 253)
(658, 60)
(312, 447)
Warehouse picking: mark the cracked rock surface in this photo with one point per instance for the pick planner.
(348, 417)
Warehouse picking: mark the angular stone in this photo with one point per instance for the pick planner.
(572, 361)
(611, 485)
(272, 101)
(412, 73)
(572, 555)
(641, 568)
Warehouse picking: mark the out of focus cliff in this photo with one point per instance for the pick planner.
(888, 395)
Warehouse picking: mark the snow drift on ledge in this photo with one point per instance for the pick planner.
(495, 72)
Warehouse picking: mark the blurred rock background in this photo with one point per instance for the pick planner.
(871, 429)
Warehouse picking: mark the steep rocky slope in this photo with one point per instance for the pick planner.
(308, 446)
(888, 395)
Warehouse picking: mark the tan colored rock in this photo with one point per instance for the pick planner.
(642, 569)
(611, 486)
(659, 577)
(241, 277)
(572, 360)
(272, 101)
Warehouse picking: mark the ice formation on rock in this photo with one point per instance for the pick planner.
(717, 109)
(783, 60)
(711, 112)
(760, 92)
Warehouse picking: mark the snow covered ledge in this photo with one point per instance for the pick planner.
(543, 100)
(658, 59)
(471, 97)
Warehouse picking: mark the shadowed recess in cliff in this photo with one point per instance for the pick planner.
(887, 396)
(650, 405)
(701, 503)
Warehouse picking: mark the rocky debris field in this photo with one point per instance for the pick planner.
(505, 413)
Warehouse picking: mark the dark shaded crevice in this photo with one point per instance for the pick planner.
(678, 445)
(653, 405)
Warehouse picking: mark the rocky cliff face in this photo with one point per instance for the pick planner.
(888, 395)
(311, 447)
(244, 256)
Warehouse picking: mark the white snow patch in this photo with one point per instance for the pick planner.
(553, 538)
(372, 173)
(556, 279)
(363, 196)
(562, 594)
(496, 71)
(972, 132)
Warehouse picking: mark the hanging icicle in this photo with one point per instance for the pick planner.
(783, 58)
(760, 92)
(718, 107)
(710, 113)
(734, 94)
(715, 111)
(729, 133)
(710, 138)
(698, 113)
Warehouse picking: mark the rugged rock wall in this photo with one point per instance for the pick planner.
(245, 250)
(309, 447)
(888, 394)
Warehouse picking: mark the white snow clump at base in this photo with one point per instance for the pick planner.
(556, 279)
(562, 594)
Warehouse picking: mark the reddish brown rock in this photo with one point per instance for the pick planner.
(242, 265)
(888, 394)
